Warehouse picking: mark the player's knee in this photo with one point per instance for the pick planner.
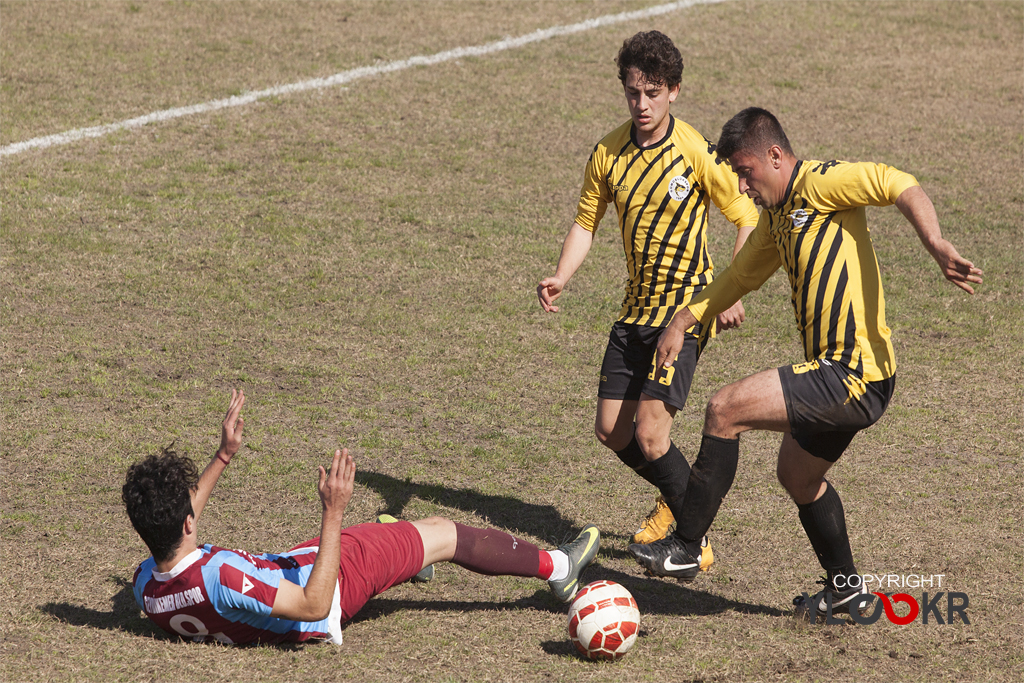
(717, 415)
(434, 526)
(611, 438)
(436, 521)
(653, 441)
(439, 537)
(797, 485)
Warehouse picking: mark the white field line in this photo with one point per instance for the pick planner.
(348, 76)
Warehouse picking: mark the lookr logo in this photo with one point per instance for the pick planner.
(860, 607)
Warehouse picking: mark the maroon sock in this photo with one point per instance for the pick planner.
(495, 553)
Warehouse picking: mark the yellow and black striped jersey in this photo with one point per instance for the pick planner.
(661, 194)
(820, 234)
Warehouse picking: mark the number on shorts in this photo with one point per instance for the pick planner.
(666, 379)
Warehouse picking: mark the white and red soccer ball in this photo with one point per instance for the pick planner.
(603, 620)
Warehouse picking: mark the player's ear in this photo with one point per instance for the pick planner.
(673, 92)
(775, 155)
(189, 527)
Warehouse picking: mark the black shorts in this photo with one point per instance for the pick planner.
(629, 369)
(827, 404)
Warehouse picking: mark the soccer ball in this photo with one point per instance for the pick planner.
(603, 620)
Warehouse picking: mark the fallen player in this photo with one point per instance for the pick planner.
(212, 593)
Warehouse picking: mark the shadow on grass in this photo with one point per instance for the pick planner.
(504, 512)
(653, 596)
(124, 615)
(381, 606)
(668, 597)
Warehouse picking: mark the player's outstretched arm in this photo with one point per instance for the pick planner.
(574, 251)
(230, 442)
(915, 205)
(312, 602)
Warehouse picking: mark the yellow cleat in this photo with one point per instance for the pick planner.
(656, 526)
(707, 556)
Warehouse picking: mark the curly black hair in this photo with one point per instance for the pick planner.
(157, 496)
(754, 131)
(654, 55)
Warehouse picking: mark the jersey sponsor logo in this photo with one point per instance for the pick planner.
(174, 601)
(620, 188)
(799, 218)
(678, 188)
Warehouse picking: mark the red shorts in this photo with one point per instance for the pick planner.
(374, 557)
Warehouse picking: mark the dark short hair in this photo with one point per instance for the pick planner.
(654, 55)
(157, 496)
(754, 131)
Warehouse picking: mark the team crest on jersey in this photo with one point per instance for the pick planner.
(799, 218)
(678, 188)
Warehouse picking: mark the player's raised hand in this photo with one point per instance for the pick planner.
(231, 428)
(955, 267)
(549, 289)
(335, 486)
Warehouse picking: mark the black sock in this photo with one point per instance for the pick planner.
(635, 460)
(671, 474)
(710, 479)
(825, 524)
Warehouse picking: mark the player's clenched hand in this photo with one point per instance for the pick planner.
(549, 289)
(335, 486)
(231, 428)
(733, 317)
(955, 267)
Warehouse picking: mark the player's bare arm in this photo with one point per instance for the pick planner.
(735, 315)
(313, 602)
(230, 442)
(574, 251)
(915, 205)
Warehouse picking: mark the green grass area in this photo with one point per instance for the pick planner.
(362, 261)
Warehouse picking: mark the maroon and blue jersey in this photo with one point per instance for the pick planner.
(227, 595)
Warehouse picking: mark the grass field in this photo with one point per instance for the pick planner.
(362, 262)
